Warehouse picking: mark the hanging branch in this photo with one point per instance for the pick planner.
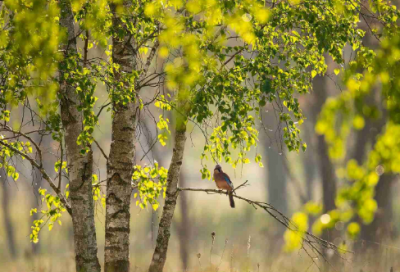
(314, 242)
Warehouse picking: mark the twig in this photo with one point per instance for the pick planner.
(59, 176)
(240, 186)
(102, 108)
(101, 150)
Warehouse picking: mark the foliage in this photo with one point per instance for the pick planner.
(51, 215)
(149, 181)
(370, 70)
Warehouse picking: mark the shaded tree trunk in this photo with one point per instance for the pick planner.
(121, 160)
(79, 166)
(326, 167)
(277, 182)
(309, 161)
(381, 229)
(160, 252)
(5, 207)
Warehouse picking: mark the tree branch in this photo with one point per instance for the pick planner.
(44, 175)
(101, 150)
(7, 128)
(308, 239)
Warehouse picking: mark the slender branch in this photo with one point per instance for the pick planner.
(85, 48)
(7, 128)
(244, 184)
(150, 57)
(102, 108)
(101, 150)
(44, 175)
(61, 159)
(309, 239)
(234, 55)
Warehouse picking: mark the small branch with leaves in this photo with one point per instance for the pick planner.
(45, 176)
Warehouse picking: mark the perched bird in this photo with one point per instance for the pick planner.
(224, 182)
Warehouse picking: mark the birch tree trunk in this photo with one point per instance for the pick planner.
(160, 252)
(121, 162)
(79, 166)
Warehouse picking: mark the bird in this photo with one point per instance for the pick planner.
(223, 182)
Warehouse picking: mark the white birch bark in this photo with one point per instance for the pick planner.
(79, 166)
(121, 161)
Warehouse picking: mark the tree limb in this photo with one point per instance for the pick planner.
(308, 239)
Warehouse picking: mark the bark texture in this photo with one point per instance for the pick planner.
(160, 252)
(79, 166)
(120, 163)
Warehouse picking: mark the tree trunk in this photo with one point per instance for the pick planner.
(184, 224)
(326, 167)
(308, 157)
(381, 229)
(121, 161)
(160, 252)
(8, 226)
(79, 166)
(277, 182)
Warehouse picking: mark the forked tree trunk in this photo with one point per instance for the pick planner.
(79, 166)
(121, 162)
(160, 252)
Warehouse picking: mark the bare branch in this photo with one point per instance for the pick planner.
(150, 58)
(101, 150)
(309, 239)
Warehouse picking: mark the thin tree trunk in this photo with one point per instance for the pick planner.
(277, 182)
(121, 161)
(184, 225)
(308, 157)
(8, 225)
(381, 229)
(326, 167)
(79, 166)
(160, 252)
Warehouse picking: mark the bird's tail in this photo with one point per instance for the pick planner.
(231, 201)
